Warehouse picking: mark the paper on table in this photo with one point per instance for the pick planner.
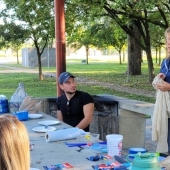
(63, 134)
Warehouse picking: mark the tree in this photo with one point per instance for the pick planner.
(157, 40)
(37, 17)
(105, 35)
(13, 36)
(79, 37)
(141, 13)
(100, 32)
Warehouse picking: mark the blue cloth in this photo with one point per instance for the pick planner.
(165, 68)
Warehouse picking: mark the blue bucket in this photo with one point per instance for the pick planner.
(23, 115)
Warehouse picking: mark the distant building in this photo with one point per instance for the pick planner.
(30, 58)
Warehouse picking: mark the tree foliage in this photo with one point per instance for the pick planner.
(37, 17)
(13, 36)
(105, 35)
(129, 13)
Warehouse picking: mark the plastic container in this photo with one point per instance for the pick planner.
(14, 107)
(3, 104)
(23, 115)
(89, 138)
(114, 144)
(135, 151)
(145, 161)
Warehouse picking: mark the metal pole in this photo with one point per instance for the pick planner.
(48, 56)
(60, 39)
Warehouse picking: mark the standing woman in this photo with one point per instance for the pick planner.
(161, 116)
(14, 144)
(165, 66)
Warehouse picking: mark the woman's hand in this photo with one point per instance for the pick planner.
(164, 86)
(161, 75)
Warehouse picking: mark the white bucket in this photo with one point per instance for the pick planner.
(114, 144)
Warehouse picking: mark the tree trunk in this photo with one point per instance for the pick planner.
(150, 63)
(123, 55)
(120, 58)
(156, 51)
(147, 41)
(134, 53)
(41, 77)
(159, 55)
(87, 55)
(17, 58)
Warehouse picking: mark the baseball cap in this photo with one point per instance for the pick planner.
(63, 77)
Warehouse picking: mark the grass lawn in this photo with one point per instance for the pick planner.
(109, 72)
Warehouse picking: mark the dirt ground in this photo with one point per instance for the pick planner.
(120, 88)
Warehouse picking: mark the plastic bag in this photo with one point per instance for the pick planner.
(17, 98)
(32, 105)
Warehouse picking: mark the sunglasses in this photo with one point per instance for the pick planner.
(68, 106)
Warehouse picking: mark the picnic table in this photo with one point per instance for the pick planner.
(45, 154)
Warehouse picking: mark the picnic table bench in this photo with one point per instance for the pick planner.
(130, 118)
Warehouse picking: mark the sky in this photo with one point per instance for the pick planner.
(1, 21)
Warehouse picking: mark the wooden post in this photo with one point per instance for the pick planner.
(60, 39)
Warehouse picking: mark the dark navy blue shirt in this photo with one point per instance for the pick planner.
(165, 68)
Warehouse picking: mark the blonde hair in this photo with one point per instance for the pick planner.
(14, 144)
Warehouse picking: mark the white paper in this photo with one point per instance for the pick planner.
(63, 134)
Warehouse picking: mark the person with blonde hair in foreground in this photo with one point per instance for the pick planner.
(14, 144)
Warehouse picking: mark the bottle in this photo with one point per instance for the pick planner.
(3, 104)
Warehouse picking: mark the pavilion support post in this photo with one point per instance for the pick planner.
(60, 40)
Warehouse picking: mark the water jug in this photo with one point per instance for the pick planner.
(145, 161)
(3, 104)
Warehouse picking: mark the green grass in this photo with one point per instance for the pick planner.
(3, 68)
(107, 72)
(9, 83)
